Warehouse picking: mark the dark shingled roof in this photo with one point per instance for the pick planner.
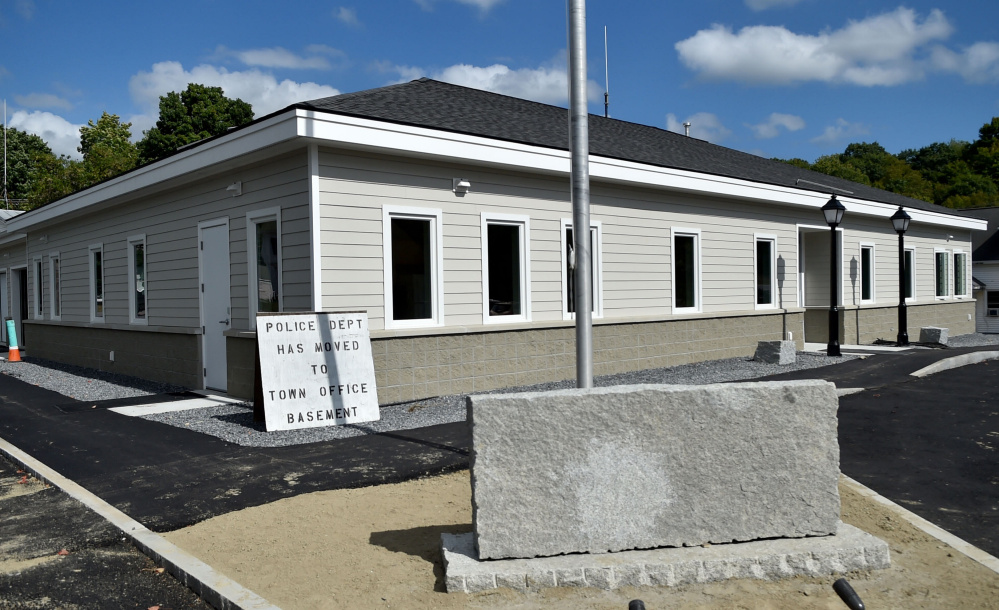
(437, 105)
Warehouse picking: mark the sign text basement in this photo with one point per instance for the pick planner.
(316, 370)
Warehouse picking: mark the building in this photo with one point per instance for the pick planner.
(985, 269)
(444, 213)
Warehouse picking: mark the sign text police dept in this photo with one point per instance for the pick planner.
(316, 370)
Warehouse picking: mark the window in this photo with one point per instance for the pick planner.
(505, 268)
(941, 272)
(992, 303)
(866, 273)
(960, 274)
(138, 286)
(97, 283)
(686, 271)
(38, 301)
(766, 271)
(909, 274)
(264, 247)
(55, 292)
(413, 261)
(569, 270)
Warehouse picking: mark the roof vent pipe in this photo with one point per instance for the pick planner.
(686, 128)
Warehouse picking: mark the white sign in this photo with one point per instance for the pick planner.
(316, 370)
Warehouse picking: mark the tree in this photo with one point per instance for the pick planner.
(800, 163)
(197, 113)
(833, 165)
(24, 152)
(107, 148)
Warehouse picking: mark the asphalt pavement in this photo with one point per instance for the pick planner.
(929, 444)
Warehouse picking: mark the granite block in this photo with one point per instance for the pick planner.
(633, 467)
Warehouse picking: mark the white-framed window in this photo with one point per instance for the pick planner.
(686, 276)
(867, 288)
(412, 241)
(55, 286)
(569, 269)
(909, 274)
(765, 263)
(961, 274)
(941, 273)
(263, 249)
(95, 260)
(138, 282)
(38, 301)
(506, 268)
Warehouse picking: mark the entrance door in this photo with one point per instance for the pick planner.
(4, 307)
(213, 256)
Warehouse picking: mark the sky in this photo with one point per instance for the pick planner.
(776, 78)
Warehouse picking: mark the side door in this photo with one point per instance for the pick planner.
(213, 264)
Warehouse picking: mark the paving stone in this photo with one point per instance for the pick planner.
(632, 467)
(850, 549)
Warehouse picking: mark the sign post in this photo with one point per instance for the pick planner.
(316, 369)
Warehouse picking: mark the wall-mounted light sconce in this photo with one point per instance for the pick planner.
(236, 188)
(44, 239)
(460, 186)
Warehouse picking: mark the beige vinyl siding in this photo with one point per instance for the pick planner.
(635, 237)
(169, 221)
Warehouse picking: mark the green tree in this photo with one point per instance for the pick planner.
(24, 153)
(801, 163)
(833, 165)
(197, 113)
(55, 179)
(107, 148)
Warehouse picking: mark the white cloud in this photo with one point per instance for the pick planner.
(62, 136)
(25, 8)
(762, 5)
(979, 63)
(261, 89)
(842, 130)
(882, 50)
(279, 57)
(43, 100)
(548, 83)
(484, 5)
(703, 126)
(347, 16)
(771, 128)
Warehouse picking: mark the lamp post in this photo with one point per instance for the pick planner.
(900, 222)
(833, 212)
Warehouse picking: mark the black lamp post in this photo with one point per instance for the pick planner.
(833, 212)
(900, 222)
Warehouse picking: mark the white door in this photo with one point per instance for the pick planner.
(213, 254)
(19, 302)
(4, 309)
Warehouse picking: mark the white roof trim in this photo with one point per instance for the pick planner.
(382, 136)
(12, 238)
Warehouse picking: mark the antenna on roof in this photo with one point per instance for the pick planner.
(6, 202)
(606, 78)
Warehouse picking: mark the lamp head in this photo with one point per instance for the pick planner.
(833, 212)
(900, 221)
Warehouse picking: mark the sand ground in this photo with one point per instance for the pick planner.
(378, 547)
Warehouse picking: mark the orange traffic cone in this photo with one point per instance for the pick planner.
(13, 355)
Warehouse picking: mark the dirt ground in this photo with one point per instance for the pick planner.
(378, 547)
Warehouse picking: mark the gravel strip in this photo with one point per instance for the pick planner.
(234, 423)
(82, 383)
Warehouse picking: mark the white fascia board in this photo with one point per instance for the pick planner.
(243, 141)
(425, 142)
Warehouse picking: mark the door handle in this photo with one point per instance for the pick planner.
(226, 321)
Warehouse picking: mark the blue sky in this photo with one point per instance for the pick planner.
(786, 78)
